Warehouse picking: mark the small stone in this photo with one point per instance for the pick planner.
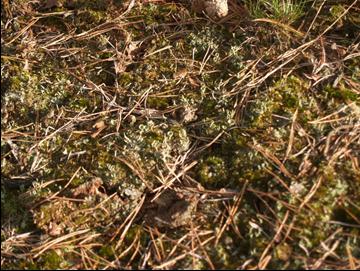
(188, 114)
(297, 188)
(283, 252)
(169, 210)
(88, 189)
(215, 9)
(54, 229)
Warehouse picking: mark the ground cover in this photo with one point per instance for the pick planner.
(140, 134)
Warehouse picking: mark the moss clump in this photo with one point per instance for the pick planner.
(156, 142)
(212, 171)
(60, 216)
(13, 211)
(158, 103)
(156, 14)
(283, 99)
(52, 260)
(95, 5)
(323, 204)
(341, 93)
(36, 91)
(108, 252)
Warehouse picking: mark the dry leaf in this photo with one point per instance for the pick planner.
(193, 82)
(54, 229)
(88, 189)
(99, 126)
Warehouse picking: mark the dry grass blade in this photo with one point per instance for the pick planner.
(167, 184)
(58, 192)
(62, 128)
(41, 249)
(232, 212)
(181, 256)
(271, 157)
(291, 136)
(275, 239)
(284, 26)
(128, 222)
(208, 259)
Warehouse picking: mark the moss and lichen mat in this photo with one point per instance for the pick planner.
(141, 135)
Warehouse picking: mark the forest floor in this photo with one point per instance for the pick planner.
(141, 135)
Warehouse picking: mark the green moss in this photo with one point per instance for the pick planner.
(94, 5)
(24, 265)
(14, 211)
(156, 143)
(283, 252)
(158, 103)
(125, 78)
(336, 11)
(212, 171)
(156, 14)
(107, 252)
(53, 260)
(87, 19)
(341, 93)
(323, 204)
